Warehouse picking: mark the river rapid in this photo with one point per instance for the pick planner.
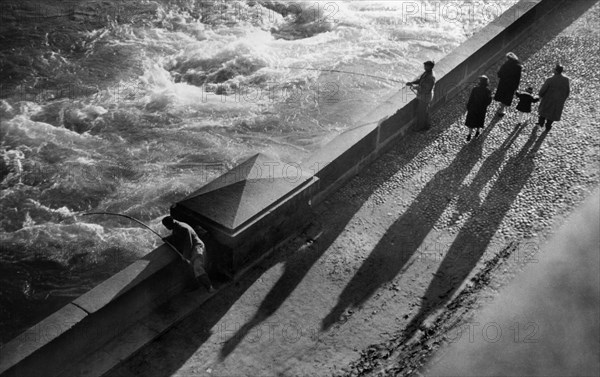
(128, 106)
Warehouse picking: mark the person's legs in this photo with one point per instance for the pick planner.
(501, 109)
(549, 124)
(541, 121)
(418, 113)
(477, 132)
(426, 115)
(422, 111)
(205, 281)
(468, 127)
(200, 273)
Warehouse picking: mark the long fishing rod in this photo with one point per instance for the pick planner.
(341, 71)
(142, 224)
(356, 73)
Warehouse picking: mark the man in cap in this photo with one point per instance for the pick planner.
(554, 94)
(423, 87)
(192, 249)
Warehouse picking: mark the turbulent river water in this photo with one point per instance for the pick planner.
(128, 106)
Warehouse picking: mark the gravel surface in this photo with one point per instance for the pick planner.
(519, 190)
(414, 244)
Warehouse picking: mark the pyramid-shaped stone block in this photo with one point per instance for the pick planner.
(246, 191)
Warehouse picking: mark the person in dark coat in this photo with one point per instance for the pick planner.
(191, 248)
(526, 99)
(509, 78)
(479, 100)
(554, 94)
(424, 90)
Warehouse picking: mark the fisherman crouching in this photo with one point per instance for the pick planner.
(185, 239)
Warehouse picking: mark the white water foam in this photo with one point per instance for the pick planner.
(135, 113)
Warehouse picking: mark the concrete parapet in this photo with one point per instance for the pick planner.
(248, 209)
(246, 213)
(42, 349)
(94, 318)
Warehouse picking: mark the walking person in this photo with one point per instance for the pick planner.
(479, 100)
(554, 94)
(510, 77)
(424, 90)
(526, 99)
(192, 249)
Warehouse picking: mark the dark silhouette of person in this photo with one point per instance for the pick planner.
(554, 94)
(424, 90)
(470, 243)
(406, 235)
(526, 99)
(192, 249)
(479, 100)
(510, 77)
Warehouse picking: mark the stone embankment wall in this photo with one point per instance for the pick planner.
(90, 321)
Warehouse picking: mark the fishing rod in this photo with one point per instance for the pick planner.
(142, 224)
(412, 88)
(341, 71)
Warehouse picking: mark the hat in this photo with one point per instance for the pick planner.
(429, 63)
(511, 55)
(167, 222)
(483, 80)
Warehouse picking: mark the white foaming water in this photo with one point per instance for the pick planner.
(162, 97)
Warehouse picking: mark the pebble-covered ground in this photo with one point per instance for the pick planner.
(402, 252)
(524, 180)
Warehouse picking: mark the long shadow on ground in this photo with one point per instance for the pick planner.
(475, 236)
(467, 245)
(297, 265)
(469, 198)
(404, 237)
(170, 351)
